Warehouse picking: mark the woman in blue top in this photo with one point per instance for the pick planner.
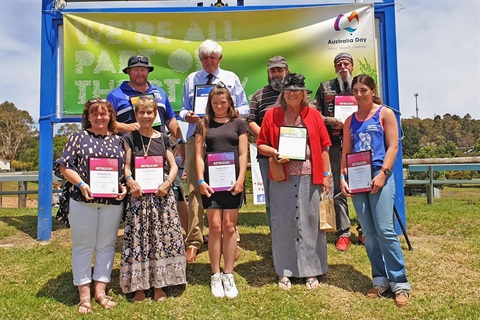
(374, 127)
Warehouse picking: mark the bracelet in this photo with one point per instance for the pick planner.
(79, 184)
(169, 181)
(128, 177)
(200, 181)
(327, 174)
(342, 176)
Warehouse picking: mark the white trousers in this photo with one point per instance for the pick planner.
(94, 229)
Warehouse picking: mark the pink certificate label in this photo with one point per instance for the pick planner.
(149, 172)
(359, 167)
(344, 107)
(221, 170)
(104, 177)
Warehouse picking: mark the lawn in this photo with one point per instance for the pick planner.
(444, 268)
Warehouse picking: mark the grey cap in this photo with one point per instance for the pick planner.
(277, 62)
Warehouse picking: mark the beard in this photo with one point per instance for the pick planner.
(348, 79)
(276, 83)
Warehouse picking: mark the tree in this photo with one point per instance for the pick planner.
(15, 127)
(61, 138)
(67, 129)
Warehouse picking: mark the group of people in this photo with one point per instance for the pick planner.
(130, 127)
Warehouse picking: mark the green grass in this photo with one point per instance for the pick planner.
(444, 268)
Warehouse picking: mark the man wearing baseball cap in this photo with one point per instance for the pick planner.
(262, 100)
(325, 102)
(123, 99)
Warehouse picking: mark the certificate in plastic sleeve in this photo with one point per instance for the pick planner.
(292, 143)
(134, 100)
(200, 98)
(149, 173)
(221, 170)
(359, 170)
(104, 177)
(344, 107)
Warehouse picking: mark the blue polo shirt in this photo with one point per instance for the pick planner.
(120, 100)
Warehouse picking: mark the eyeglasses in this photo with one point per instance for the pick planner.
(95, 100)
(288, 91)
(221, 85)
(144, 98)
(137, 59)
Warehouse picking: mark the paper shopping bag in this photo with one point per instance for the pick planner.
(327, 214)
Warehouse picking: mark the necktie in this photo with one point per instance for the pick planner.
(210, 78)
(345, 87)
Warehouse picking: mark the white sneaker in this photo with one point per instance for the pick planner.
(216, 284)
(229, 286)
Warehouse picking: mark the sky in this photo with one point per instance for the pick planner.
(438, 51)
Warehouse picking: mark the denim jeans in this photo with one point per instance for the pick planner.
(375, 212)
(263, 163)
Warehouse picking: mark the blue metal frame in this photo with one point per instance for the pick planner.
(385, 13)
(51, 19)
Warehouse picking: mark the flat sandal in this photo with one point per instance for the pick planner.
(105, 301)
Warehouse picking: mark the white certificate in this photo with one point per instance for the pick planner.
(344, 107)
(292, 143)
(359, 170)
(149, 173)
(200, 98)
(221, 170)
(103, 177)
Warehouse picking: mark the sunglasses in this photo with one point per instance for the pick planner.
(94, 100)
(137, 59)
(221, 85)
(288, 91)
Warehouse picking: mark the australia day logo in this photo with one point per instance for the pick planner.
(349, 23)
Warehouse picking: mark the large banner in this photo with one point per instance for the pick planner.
(98, 45)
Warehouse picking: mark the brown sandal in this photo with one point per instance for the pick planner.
(84, 306)
(105, 301)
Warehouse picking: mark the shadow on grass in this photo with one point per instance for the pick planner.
(60, 289)
(28, 224)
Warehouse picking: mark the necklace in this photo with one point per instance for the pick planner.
(295, 120)
(220, 119)
(145, 152)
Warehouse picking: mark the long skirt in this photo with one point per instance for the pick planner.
(299, 247)
(153, 253)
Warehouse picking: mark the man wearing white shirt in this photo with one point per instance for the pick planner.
(210, 54)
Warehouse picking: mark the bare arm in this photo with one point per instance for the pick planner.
(176, 132)
(200, 165)
(326, 168)
(390, 126)
(162, 190)
(254, 128)
(127, 127)
(243, 161)
(346, 148)
(74, 178)
(133, 186)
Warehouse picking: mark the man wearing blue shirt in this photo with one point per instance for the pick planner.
(210, 54)
(123, 97)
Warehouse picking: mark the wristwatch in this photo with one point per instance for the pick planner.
(386, 171)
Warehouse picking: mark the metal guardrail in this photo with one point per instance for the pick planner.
(22, 178)
(437, 167)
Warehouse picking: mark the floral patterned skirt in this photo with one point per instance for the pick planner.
(153, 252)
